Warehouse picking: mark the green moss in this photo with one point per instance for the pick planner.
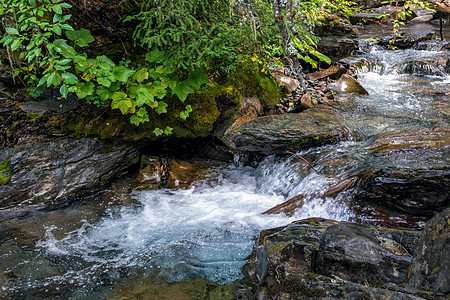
(276, 247)
(5, 173)
(252, 79)
(436, 269)
(105, 123)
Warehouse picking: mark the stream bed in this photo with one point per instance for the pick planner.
(129, 233)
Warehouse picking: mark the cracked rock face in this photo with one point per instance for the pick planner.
(47, 173)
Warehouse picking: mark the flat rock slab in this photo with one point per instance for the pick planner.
(47, 173)
(277, 134)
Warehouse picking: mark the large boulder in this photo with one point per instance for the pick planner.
(338, 38)
(431, 270)
(47, 173)
(278, 133)
(318, 258)
(418, 183)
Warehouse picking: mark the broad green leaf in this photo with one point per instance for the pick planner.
(123, 73)
(162, 107)
(57, 30)
(57, 18)
(54, 79)
(103, 93)
(158, 131)
(15, 44)
(85, 89)
(182, 90)
(81, 37)
(154, 56)
(141, 75)
(144, 95)
(168, 130)
(64, 90)
(57, 9)
(121, 101)
(69, 78)
(134, 120)
(12, 31)
(159, 92)
(197, 78)
(104, 62)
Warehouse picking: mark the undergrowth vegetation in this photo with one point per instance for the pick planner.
(180, 47)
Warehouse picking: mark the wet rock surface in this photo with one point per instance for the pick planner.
(278, 133)
(316, 258)
(338, 38)
(409, 187)
(47, 173)
(430, 269)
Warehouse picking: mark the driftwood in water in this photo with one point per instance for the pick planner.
(289, 207)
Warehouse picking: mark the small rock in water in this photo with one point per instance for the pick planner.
(347, 84)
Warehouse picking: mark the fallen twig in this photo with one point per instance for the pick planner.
(306, 162)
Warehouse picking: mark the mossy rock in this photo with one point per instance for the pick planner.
(252, 79)
(104, 123)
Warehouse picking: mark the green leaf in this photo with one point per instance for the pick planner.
(6, 40)
(15, 44)
(57, 18)
(104, 62)
(168, 130)
(67, 27)
(121, 101)
(144, 95)
(134, 120)
(54, 79)
(154, 56)
(85, 89)
(141, 75)
(182, 90)
(123, 73)
(64, 90)
(185, 114)
(162, 107)
(158, 131)
(69, 78)
(197, 78)
(103, 93)
(57, 30)
(159, 91)
(57, 9)
(81, 37)
(12, 31)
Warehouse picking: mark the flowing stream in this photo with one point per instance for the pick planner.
(207, 231)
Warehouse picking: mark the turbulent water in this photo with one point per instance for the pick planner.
(207, 231)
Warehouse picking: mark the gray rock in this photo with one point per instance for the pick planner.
(431, 269)
(278, 133)
(338, 38)
(324, 259)
(48, 173)
(56, 105)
